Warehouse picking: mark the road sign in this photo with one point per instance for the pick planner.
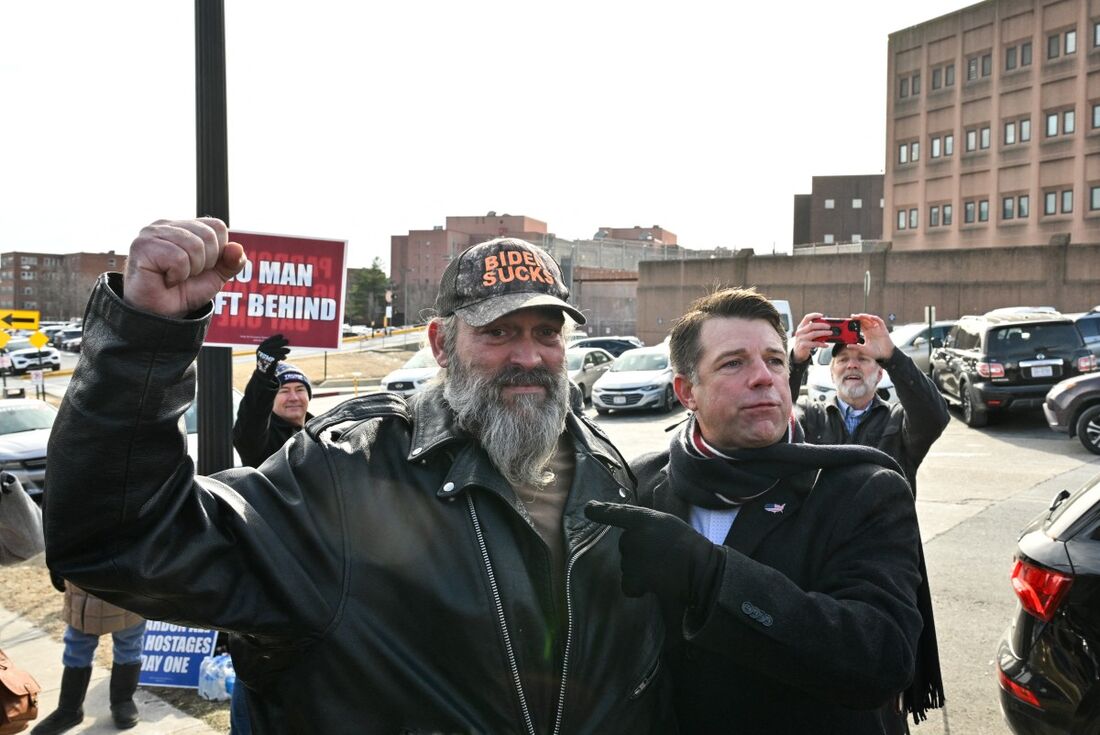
(38, 377)
(39, 340)
(19, 319)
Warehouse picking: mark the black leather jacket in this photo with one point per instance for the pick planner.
(905, 430)
(383, 575)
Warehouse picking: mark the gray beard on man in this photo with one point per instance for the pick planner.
(519, 433)
(856, 391)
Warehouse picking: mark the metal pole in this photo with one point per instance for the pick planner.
(215, 409)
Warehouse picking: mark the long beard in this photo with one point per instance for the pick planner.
(519, 433)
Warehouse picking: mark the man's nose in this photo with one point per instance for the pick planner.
(760, 375)
(525, 353)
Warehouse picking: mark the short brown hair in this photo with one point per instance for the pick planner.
(740, 303)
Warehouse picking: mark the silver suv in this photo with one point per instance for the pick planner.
(25, 356)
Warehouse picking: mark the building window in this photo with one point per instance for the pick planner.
(1069, 122)
(1067, 201)
(971, 140)
(946, 214)
(1025, 53)
(903, 153)
(913, 219)
(882, 203)
(901, 219)
(968, 212)
(937, 78)
(1094, 198)
(948, 145)
(857, 238)
(1025, 129)
(949, 75)
(1023, 206)
(903, 87)
(1010, 132)
(1070, 45)
(26, 275)
(830, 204)
(1008, 207)
(933, 216)
(828, 239)
(936, 147)
(914, 151)
(983, 210)
(1050, 202)
(1096, 33)
(972, 69)
(1052, 124)
(28, 260)
(1010, 58)
(984, 138)
(1096, 116)
(987, 65)
(914, 85)
(28, 290)
(1054, 45)
(857, 204)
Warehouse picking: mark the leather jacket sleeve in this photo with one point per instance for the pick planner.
(253, 425)
(926, 413)
(849, 639)
(127, 519)
(798, 374)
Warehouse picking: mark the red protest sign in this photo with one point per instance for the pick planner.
(291, 285)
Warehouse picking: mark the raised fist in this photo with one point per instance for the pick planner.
(270, 352)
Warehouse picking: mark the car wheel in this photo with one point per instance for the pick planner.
(669, 401)
(586, 396)
(973, 417)
(1088, 429)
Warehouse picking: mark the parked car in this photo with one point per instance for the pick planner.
(639, 378)
(1047, 662)
(25, 425)
(586, 365)
(1073, 407)
(413, 375)
(1007, 361)
(25, 356)
(189, 422)
(1088, 324)
(913, 339)
(70, 332)
(819, 379)
(615, 345)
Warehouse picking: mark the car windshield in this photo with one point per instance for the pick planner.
(906, 332)
(17, 344)
(633, 360)
(574, 361)
(422, 359)
(14, 419)
(1025, 340)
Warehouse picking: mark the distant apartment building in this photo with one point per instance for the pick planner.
(655, 235)
(57, 286)
(993, 127)
(839, 209)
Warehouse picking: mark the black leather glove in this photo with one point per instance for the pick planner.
(661, 554)
(57, 582)
(270, 352)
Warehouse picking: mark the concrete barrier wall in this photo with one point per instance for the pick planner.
(956, 282)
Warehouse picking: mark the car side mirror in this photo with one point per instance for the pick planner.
(587, 368)
(920, 342)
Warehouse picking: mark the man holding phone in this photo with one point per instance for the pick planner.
(905, 431)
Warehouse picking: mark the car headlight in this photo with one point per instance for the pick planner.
(653, 386)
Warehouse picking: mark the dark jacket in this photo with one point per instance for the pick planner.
(813, 622)
(905, 430)
(385, 572)
(258, 433)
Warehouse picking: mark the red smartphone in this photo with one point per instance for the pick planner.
(845, 331)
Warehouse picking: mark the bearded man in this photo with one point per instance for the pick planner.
(905, 431)
(421, 566)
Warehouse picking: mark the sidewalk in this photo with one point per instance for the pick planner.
(35, 652)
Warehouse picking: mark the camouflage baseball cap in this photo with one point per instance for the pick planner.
(501, 276)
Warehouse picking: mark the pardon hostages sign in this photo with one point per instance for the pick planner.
(291, 285)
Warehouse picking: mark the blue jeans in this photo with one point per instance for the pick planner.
(80, 647)
(239, 724)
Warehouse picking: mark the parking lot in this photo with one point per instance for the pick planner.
(977, 488)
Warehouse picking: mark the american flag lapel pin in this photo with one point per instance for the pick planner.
(775, 507)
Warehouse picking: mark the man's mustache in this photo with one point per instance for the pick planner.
(515, 375)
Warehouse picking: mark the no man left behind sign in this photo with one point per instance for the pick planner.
(291, 285)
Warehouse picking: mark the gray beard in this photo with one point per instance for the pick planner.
(519, 434)
(856, 392)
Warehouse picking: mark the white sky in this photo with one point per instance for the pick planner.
(357, 120)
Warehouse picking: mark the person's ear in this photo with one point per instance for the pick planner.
(685, 391)
(435, 339)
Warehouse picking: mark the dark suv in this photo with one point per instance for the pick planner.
(1007, 360)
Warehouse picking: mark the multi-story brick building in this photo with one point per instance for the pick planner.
(839, 209)
(993, 126)
(57, 286)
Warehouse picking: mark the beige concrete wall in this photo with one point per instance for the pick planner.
(902, 283)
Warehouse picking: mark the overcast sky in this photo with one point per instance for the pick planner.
(356, 121)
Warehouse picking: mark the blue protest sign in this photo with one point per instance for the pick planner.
(171, 654)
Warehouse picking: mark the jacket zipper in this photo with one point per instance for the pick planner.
(530, 726)
(569, 622)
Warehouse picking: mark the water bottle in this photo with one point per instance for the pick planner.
(213, 674)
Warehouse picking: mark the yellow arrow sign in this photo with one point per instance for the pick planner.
(39, 340)
(18, 319)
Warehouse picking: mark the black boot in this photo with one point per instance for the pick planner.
(124, 681)
(70, 703)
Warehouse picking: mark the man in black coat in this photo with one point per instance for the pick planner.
(905, 430)
(275, 406)
(789, 570)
